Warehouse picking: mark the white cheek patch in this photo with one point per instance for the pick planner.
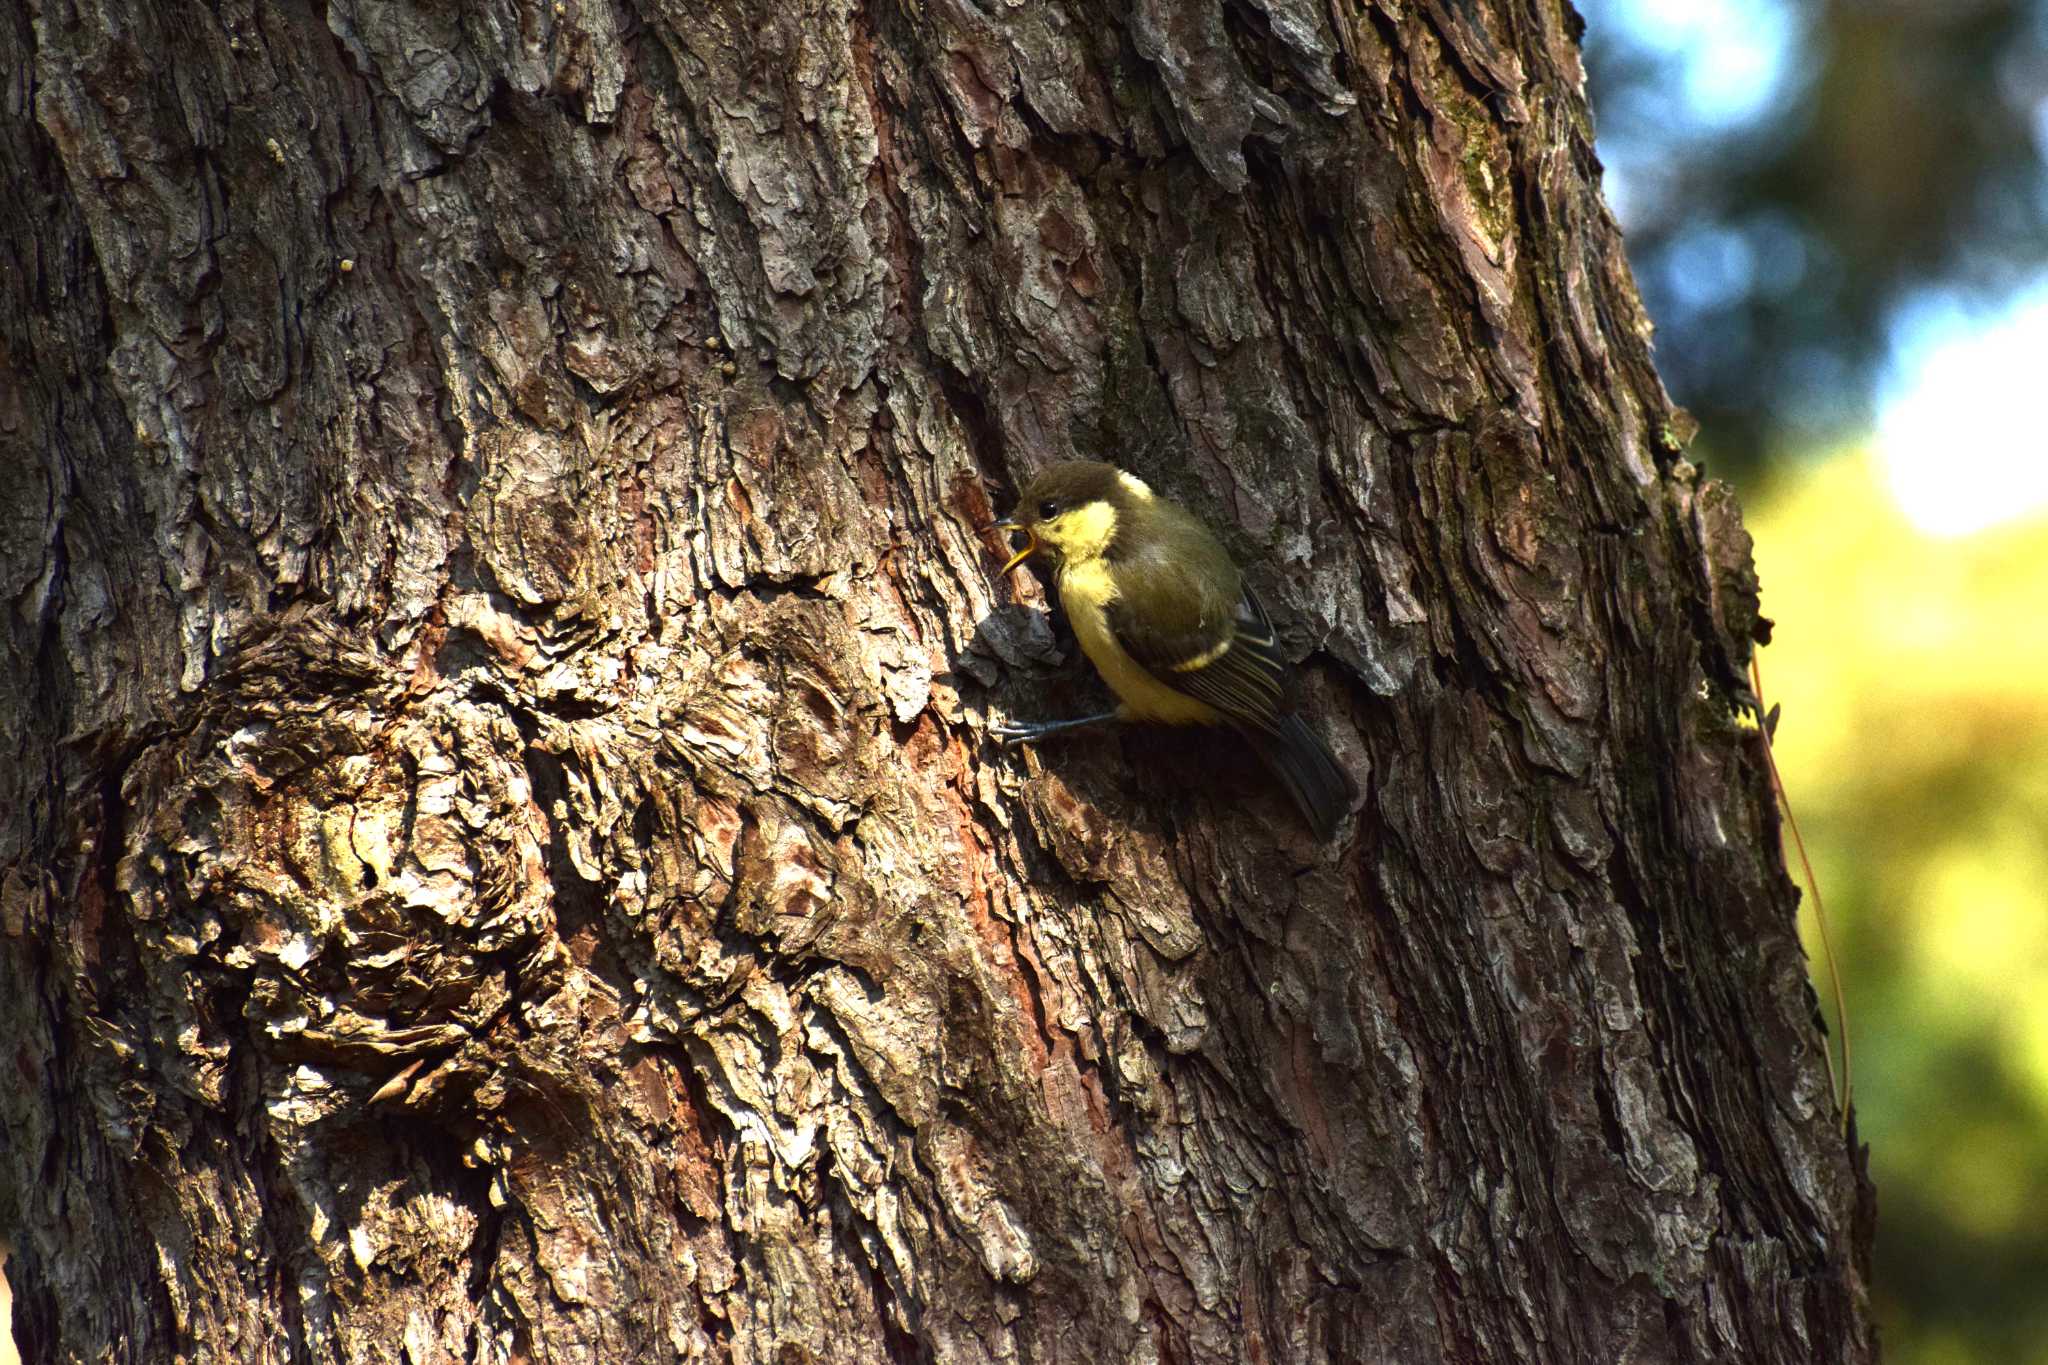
(1135, 486)
(1083, 532)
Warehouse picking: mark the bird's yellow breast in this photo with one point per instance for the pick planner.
(1086, 591)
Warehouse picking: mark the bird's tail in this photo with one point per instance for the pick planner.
(1306, 767)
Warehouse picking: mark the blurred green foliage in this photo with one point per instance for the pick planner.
(1797, 177)
(1913, 676)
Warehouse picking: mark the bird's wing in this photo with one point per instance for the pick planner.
(1193, 638)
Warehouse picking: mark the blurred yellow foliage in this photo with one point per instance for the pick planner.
(1884, 625)
(1913, 673)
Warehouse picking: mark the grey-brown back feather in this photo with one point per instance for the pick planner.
(1247, 682)
(1250, 684)
(1192, 609)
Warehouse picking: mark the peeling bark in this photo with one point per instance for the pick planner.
(499, 857)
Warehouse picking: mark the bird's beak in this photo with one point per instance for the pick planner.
(1009, 526)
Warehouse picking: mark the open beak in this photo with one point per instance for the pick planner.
(1010, 526)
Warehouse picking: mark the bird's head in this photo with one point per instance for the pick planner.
(1071, 511)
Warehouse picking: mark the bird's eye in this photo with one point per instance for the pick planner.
(1048, 509)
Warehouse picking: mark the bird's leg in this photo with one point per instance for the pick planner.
(1012, 733)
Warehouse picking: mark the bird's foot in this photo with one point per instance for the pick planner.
(1012, 733)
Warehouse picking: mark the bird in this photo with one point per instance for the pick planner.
(1162, 612)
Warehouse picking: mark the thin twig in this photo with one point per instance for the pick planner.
(1844, 1085)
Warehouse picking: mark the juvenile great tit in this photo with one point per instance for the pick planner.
(1163, 614)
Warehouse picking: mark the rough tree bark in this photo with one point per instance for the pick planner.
(499, 856)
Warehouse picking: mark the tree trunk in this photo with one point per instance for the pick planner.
(500, 857)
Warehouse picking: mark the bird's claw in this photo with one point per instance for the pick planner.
(1010, 735)
(1013, 733)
